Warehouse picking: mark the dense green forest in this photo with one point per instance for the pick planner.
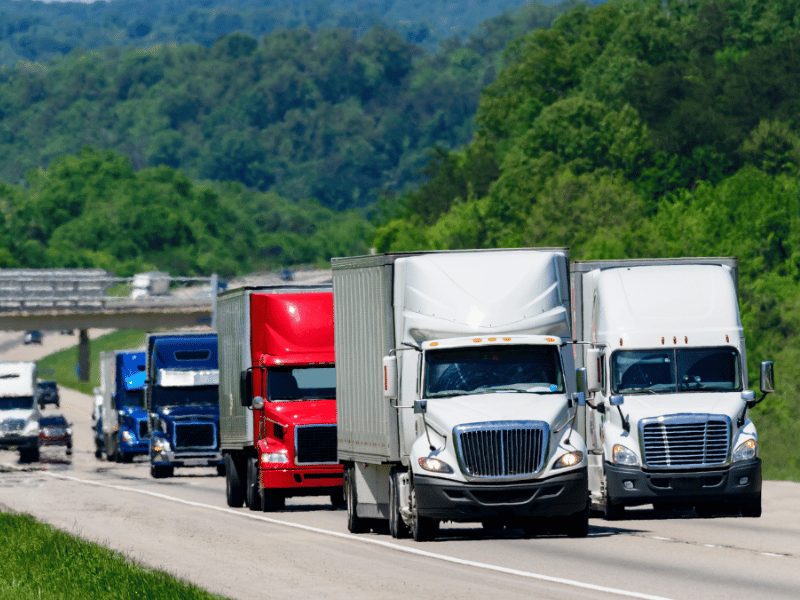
(35, 31)
(300, 113)
(644, 128)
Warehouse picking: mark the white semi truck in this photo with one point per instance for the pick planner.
(453, 387)
(19, 409)
(666, 421)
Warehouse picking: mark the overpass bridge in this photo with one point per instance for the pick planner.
(59, 299)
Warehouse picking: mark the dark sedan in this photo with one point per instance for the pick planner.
(48, 393)
(55, 431)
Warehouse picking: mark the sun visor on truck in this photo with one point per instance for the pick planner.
(298, 360)
(181, 378)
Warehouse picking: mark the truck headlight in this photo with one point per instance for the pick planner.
(127, 436)
(275, 457)
(435, 465)
(160, 445)
(746, 451)
(622, 456)
(570, 459)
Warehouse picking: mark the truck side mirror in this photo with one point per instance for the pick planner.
(580, 380)
(616, 400)
(420, 407)
(246, 388)
(390, 377)
(767, 377)
(593, 382)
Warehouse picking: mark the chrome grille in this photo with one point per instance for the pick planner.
(501, 449)
(315, 444)
(195, 435)
(686, 441)
(12, 425)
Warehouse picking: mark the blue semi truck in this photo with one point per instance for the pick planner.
(182, 402)
(122, 428)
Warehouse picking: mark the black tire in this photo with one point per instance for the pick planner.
(234, 489)
(29, 455)
(577, 525)
(161, 471)
(752, 508)
(252, 496)
(125, 457)
(272, 500)
(355, 524)
(98, 453)
(613, 511)
(423, 529)
(69, 450)
(397, 528)
(221, 470)
(337, 499)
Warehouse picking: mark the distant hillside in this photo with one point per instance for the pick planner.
(33, 30)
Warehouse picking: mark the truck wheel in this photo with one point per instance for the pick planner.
(234, 490)
(752, 507)
(423, 529)
(252, 495)
(355, 524)
(125, 457)
(337, 499)
(29, 455)
(613, 511)
(161, 471)
(98, 453)
(577, 525)
(221, 470)
(397, 528)
(271, 500)
(69, 450)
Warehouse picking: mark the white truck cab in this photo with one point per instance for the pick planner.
(19, 409)
(667, 416)
(455, 382)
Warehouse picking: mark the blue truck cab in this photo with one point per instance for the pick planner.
(122, 427)
(182, 402)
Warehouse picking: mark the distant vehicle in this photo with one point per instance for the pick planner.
(153, 283)
(67, 332)
(55, 431)
(48, 393)
(33, 337)
(19, 411)
(124, 430)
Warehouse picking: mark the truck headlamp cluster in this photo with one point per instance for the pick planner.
(275, 457)
(127, 436)
(161, 445)
(570, 459)
(746, 451)
(434, 465)
(622, 456)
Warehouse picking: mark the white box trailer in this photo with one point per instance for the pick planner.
(454, 381)
(667, 420)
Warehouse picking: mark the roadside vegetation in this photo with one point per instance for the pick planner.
(39, 561)
(61, 365)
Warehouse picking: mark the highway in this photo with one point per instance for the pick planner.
(183, 525)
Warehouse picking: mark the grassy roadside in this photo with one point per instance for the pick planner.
(40, 561)
(61, 365)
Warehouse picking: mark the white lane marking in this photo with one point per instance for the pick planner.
(773, 554)
(655, 537)
(389, 545)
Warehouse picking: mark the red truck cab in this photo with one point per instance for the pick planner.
(287, 396)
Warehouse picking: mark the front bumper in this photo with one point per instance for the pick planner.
(187, 459)
(739, 481)
(134, 447)
(560, 495)
(13, 442)
(307, 481)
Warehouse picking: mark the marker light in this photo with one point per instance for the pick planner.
(492, 339)
(434, 344)
(476, 340)
(506, 339)
(435, 465)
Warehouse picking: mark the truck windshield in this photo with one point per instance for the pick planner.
(12, 402)
(488, 369)
(133, 399)
(301, 383)
(675, 370)
(204, 395)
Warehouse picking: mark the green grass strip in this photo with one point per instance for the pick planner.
(61, 365)
(40, 561)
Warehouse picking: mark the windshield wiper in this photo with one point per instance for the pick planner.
(638, 391)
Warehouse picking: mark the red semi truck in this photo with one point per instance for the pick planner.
(277, 390)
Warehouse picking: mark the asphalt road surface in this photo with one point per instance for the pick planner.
(183, 525)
